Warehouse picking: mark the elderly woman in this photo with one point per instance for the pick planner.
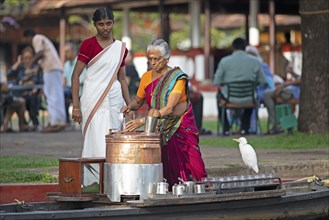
(165, 90)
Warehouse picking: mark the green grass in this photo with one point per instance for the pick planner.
(13, 176)
(18, 169)
(13, 169)
(282, 141)
(212, 124)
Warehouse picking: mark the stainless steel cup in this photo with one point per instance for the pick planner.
(162, 188)
(150, 124)
(152, 188)
(189, 186)
(199, 188)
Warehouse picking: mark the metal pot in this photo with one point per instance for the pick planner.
(133, 148)
(133, 161)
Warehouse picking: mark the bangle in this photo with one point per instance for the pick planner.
(76, 109)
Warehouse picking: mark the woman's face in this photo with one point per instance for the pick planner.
(26, 58)
(157, 62)
(104, 27)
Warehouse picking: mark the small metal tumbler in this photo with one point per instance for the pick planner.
(150, 124)
(199, 188)
(162, 188)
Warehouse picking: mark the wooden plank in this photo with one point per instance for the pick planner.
(166, 200)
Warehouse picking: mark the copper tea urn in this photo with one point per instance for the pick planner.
(133, 162)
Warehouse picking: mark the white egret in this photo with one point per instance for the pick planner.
(248, 154)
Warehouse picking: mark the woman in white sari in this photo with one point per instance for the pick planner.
(105, 88)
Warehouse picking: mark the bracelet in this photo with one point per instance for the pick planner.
(76, 109)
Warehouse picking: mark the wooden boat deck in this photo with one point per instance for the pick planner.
(298, 202)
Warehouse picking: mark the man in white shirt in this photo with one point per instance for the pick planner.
(48, 59)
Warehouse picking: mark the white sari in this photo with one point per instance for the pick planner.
(101, 99)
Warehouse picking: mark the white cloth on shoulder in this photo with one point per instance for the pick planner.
(99, 74)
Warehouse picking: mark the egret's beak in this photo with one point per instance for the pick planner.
(237, 140)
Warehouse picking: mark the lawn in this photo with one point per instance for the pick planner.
(281, 141)
(31, 169)
(18, 169)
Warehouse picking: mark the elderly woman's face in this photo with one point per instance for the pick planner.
(157, 62)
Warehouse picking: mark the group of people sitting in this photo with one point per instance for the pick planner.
(251, 67)
(246, 64)
(21, 93)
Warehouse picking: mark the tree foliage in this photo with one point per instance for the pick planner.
(145, 27)
(15, 7)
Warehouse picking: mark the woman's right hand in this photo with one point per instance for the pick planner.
(134, 124)
(125, 109)
(76, 115)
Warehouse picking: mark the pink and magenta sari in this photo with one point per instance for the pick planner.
(181, 155)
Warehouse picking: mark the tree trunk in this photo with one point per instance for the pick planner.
(314, 100)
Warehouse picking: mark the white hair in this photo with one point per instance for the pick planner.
(254, 52)
(161, 45)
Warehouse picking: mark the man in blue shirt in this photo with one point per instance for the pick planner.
(70, 52)
(234, 68)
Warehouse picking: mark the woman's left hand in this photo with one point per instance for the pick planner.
(133, 124)
(154, 113)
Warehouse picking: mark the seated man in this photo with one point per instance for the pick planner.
(238, 66)
(285, 91)
(9, 105)
(21, 74)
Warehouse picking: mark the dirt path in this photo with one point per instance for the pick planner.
(219, 160)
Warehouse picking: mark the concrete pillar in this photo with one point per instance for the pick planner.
(62, 24)
(253, 29)
(125, 29)
(207, 39)
(194, 11)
